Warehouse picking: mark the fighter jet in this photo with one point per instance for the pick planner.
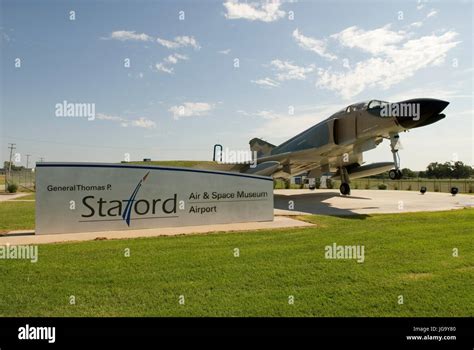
(336, 145)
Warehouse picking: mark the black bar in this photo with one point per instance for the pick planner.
(357, 331)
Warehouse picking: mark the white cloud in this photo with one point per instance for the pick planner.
(276, 127)
(421, 4)
(375, 41)
(447, 93)
(395, 58)
(5, 37)
(284, 70)
(167, 43)
(416, 24)
(311, 44)
(184, 41)
(432, 13)
(266, 82)
(173, 59)
(124, 35)
(139, 123)
(191, 109)
(143, 123)
(178, 42)
(289, 71)
(112, 118)
(265, 11)
(170, 60)
(163, 68)
(261, 114)
(224, 52)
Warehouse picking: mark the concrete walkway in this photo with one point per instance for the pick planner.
(325, 202)
(28, 237)
(331, 202)
(8, 197)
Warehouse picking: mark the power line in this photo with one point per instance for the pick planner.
(12, 147)
(104, 145)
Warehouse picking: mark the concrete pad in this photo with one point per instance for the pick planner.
(331, 202)
(8, 197)
(28, 237)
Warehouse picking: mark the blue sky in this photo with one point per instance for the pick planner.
(183, 92)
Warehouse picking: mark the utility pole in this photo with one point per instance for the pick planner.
(27, 160)
(41, 159)
(12, 147)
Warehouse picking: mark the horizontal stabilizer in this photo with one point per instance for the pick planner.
(263, 148)
(264, 169)
(367, 170)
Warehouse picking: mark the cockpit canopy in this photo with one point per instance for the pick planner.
(363, 106)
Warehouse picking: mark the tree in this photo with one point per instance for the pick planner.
(462, 171)
(6, 165)
(456, 170)
(407, 173)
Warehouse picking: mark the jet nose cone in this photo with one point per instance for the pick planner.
(424, 111)
(431, 106)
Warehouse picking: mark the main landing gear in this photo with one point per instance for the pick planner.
(344, 188)
(395, 174)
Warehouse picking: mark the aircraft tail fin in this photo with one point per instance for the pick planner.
(263, 148)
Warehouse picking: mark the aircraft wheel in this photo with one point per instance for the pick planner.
(345, 189)
(399, 174)
(393, 174)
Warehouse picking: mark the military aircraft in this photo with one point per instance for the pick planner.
(335, 146)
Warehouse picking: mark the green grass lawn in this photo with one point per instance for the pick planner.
(17, 215)
(405, 254)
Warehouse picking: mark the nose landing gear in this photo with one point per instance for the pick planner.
(395, 174)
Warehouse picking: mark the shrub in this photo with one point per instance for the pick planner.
(12, 188)
(409, 188)
(329, 184)
(382, 186)
(367, 186)
(317, 182)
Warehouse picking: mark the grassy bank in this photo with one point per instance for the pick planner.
(405, 254)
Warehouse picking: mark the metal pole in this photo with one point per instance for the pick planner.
(12, 147)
